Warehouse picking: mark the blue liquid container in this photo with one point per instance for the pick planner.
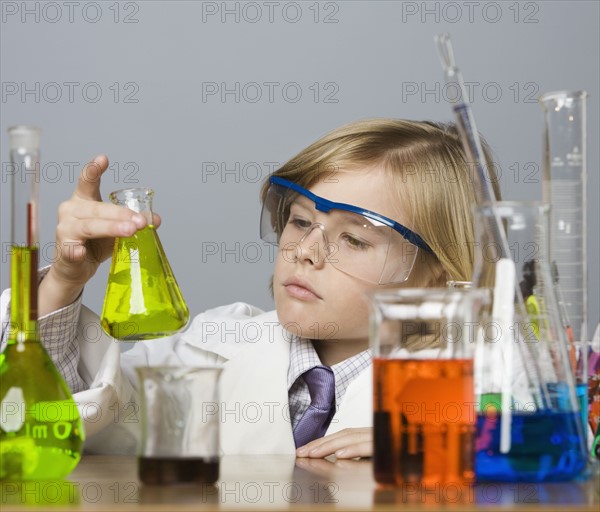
(530, 424)
(545, 446)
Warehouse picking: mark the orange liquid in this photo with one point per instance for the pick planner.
(424, 421)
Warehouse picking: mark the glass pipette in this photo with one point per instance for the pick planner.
(484, 192)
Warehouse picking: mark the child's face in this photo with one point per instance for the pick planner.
(312, 297)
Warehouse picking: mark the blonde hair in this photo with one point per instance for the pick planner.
(434, 181)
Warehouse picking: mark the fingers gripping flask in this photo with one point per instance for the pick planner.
(143, 300)
(41, 433)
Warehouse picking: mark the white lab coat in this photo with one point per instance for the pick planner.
(253, 349)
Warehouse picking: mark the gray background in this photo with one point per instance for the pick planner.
(155, 63)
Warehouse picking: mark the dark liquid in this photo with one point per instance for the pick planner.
(173, 470)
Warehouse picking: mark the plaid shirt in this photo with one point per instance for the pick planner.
(303, 357)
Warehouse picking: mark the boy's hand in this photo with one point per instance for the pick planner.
(345, 444)
(331, 468)
(84, 238)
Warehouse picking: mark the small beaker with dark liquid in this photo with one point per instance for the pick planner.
(143, 300)
(180, 425)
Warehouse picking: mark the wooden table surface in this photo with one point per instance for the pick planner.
(281, 482)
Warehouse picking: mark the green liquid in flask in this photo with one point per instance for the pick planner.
(41, 433)
(143, 300)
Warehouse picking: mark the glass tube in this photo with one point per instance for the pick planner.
(564, 190)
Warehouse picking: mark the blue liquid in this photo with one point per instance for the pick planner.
(545, 446)
(581, 390)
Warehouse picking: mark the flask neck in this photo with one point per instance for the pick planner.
(526, 228)
(24, 172)
(136, 199)
(24, 295)
(25, 180)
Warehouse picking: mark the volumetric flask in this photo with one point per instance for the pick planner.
(423, 341)
(41, 432)
(180, 425)
(143, 300)
(529, 423)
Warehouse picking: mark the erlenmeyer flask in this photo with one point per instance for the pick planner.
(529, 424)
(41, 434)
(143, 300)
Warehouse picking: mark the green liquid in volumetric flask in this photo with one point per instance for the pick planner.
(143, 300)
(41, 434)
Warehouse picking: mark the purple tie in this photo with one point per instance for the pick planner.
(316, 419)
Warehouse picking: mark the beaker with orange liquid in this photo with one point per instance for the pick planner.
(423, 343)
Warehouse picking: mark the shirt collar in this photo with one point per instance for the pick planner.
(303, 357)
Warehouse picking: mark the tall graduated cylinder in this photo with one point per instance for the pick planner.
(564, 189)
(423, 342)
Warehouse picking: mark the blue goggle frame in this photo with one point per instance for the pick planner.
(324, 205)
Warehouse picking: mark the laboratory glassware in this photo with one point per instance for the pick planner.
(41, 433)
(180, 425)
(547, 387)
(143, 300)
(525, 432)
(484, 191)
(564, 189)
(423, 342)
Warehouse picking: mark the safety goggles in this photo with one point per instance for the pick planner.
(358, 242)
